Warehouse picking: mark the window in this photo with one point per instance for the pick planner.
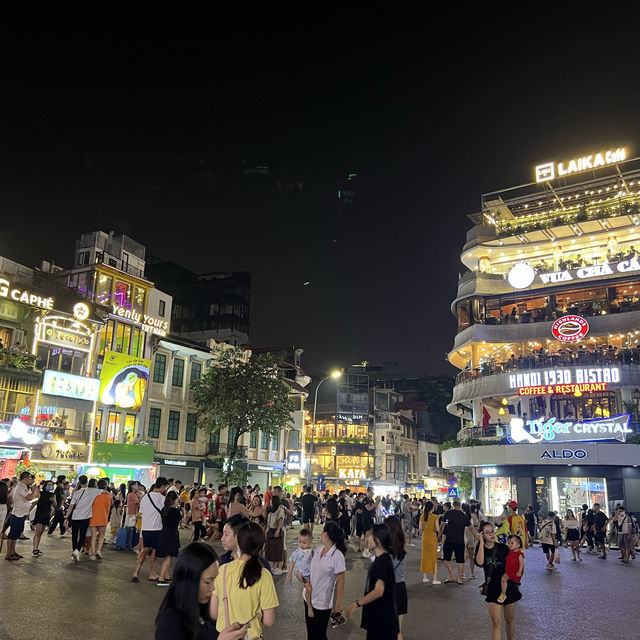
(432, 459)
(389, 466)
(253, 439)
(231, 436)
(215, 438)
(155, 415)
(178, 372)
(265, 441)
(196, 371)
(274, 442)
(113, 427)
(138, 300)
(137, 343)
(190, 435)
(159, 367)
(162, 308)
(103, 288)
(122, 295)
(174, 425)
(129, 427)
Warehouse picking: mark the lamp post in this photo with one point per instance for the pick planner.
(335, 375)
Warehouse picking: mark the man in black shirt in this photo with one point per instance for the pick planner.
(308, 508)
(455, 521)
(58, 518)
(600, 527)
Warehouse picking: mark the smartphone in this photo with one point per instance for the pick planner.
(247, 624)
(305, 580)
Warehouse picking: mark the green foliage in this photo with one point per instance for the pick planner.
(20, 467)
(242, 396)
(464, 480)
(467, 442)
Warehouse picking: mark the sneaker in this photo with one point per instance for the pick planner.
(425, 580)
(93, 557)
(99, 555)
(472, 577)
(436, 582)
(76, 555)
(36, 553)
(163, 583)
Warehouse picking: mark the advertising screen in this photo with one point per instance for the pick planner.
(123, 380)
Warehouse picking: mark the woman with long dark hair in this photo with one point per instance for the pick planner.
(398, 553)
(429, 551)
(491, 556)
(274, 548)
(184, 614)
(235, 503)
(244, 589)
(169, 538)
(379, 613)
(327, 574)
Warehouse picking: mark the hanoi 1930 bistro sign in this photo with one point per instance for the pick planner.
(565, 380)
(545, 430)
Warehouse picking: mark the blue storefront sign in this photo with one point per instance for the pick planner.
(321, 483)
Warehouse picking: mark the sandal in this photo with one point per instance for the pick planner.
(135, 579)
(447, 581)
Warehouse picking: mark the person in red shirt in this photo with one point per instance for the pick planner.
(268, 494)
(221, 502)
(514, 565)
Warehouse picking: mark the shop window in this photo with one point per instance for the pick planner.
(196, 372)
(123, 338)
(129, 427)
(137, 342)
(122, 295)
(264, 444)
(178, 372)
(559, 494)
(113, 427)
(103, 289)
(174, 425)
(253, 439)
(97, 425)
(159, 367)
(155, 415)
(190, 434)
(138, 299)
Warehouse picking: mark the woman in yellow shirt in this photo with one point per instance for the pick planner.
(244, 591)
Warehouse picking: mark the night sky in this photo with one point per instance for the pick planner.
(146, 129)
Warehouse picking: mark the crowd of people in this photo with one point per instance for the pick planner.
(234, 596)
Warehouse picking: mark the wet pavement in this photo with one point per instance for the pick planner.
(51, 596)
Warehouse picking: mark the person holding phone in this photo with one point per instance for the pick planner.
(184, 612)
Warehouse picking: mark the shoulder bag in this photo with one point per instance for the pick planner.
(485, 585)
(146, 495)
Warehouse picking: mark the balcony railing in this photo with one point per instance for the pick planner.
(16, 360)
(492, 431)
(604, 357)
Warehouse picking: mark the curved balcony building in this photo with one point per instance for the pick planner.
(548, 313)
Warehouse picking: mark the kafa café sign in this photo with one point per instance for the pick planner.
(565, 381)
(545, 430)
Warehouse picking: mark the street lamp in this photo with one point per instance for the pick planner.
(335, 375)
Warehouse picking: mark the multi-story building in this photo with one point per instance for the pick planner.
(548, 316)
(205, 306)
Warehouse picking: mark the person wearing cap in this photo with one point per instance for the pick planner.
(516, 523)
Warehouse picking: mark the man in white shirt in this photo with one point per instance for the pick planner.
(21, 498)
(151, 509)
(80, 511)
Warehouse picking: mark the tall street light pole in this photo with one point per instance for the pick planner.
(335, 375)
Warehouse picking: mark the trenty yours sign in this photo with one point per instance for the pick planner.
(553, 430)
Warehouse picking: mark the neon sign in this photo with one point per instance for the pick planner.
(22, 295)
(147, 323)
(589, 387)
(551, 170)
(565, 376)
(552, 429)
(352, 474)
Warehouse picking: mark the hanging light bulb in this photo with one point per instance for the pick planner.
(505, 402)
(501, 411)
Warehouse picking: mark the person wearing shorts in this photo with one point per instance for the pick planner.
(151, 510)
(456, 522)
(308, 509)
(22, 496)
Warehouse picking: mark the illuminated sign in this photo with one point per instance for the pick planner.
(65, 338)
(352, 474)
(551, 170)
(564, 454)
(520, 275)
(7, 290)
(19, 431)
(564, 376)
(80, 311)
(488, 471)
(58, 450)
(175, 463)
(570, 328)
(58, 383)
(147, 323)
(294, 461)
(552, 429)
(123, 380)
(63, 332)
(589, 387)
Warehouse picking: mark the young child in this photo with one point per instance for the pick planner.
(514, 565)
(115, 519)
(301, 560)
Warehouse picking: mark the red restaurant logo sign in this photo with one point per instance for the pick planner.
(570, 328)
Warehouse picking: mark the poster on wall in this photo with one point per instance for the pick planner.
(123, 380)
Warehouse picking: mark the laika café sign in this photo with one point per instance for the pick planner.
(566, 380)
(544, 430)
(551, 170)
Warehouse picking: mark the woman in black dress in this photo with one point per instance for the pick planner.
(44, 510)
(491, 556)
(169, 538)
(379, 613)
(398, 552)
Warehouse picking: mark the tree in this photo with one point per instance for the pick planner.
(244, 395)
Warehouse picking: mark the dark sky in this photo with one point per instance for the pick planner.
(142, 126)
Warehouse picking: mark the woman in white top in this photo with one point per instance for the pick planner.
(571, 533)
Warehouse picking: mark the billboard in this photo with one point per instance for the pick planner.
(123, 380)
(58, 383)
